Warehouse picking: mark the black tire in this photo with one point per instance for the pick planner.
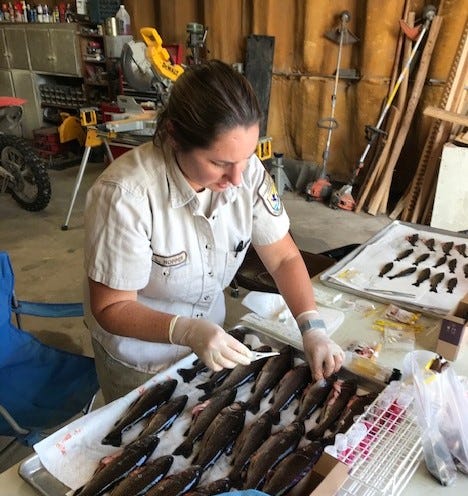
(31, 187)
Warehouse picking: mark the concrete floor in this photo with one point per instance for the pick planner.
(48, 261)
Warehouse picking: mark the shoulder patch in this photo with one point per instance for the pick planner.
(268, 193)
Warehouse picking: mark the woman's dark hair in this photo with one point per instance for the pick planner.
(206, 100)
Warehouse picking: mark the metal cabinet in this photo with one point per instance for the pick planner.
(13, 48)
(54, 49)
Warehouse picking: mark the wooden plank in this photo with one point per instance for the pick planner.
(413, 101)
(446, 115)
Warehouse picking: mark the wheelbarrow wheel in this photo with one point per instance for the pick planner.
(30, 184)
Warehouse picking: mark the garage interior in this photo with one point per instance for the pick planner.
(413, 170)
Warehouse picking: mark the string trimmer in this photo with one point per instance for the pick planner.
(320, 189)
(343, 198)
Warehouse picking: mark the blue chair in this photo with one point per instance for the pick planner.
(41, 387)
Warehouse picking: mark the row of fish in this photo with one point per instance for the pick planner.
(260, 458)
(430, 243)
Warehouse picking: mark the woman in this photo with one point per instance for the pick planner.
(167, 226)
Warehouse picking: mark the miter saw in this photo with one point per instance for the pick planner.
(147, 65)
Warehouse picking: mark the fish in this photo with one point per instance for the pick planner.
(144, 478)
(203, 414)
(404, 273)
(435, 281)
(336, 401)
(422, 276)
(421, 258)
(216, 487)
(452, 265)
(272, 451)
(313, 397)
(446, 247)
(440, 261)
(221, 435)
(461, 249)
(386, 268)
(165, 416)
(215, 380)
(292, 469)
(271, 373)
(290, 386)
(146, 404)
(355, 406)
(189, 374)
(430, 244)
(404, 254)
(250, 439)
(177, 484)
(413, 239)
(465, 270)
(132, 456)
(241, 374)
(451, 284)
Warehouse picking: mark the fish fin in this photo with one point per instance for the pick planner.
(185, 449)
(114, 438)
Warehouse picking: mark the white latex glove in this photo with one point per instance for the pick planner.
(210, 342)
(322, 353)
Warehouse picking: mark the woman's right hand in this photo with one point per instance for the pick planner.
(211, 343)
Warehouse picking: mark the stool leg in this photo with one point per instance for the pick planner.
(79, 177)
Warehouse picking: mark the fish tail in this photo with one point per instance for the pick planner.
(434, 290)
(313, 434)
(252, 406)
(114, 438)
(205, 386)
(186, 374)
(275, 416)
(416, 284)
(185, 449)
(235, 478)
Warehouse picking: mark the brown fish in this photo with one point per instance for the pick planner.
(290, 387)
(435, 281)
(313, 397)
(165, 416)
(440, 261)
(250, 439)
(421, 258)
(216, 487)
(271, 373)
(132, 456)
(292, 469)
(386, 268)
(413, 239)
(221, 435)
(203, 415)
(462, 249)
(404, 254)
(273, 450)
(404, 273)
(145, 405)
(241, 374)
(144, 478)
(452, 265)
(422, 276)
(177, 484)
(451, 284)
(446, 247)
(430, 244)
(336, 401)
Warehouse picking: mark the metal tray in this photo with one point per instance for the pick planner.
(327, 279)
(34, 473)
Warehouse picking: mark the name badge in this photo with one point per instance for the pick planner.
(171, 260)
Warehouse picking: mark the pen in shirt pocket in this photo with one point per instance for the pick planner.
(240, 246)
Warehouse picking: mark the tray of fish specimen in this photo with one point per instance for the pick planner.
(262, 425)
(424, 268)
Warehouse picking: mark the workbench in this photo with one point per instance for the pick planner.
(356, 326)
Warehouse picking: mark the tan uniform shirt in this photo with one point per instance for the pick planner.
(148, 230)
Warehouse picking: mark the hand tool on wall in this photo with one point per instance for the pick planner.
(343, 198)
(320, 189)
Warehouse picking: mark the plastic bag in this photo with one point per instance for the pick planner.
(430, 405)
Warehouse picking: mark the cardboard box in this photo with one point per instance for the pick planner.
(452, 330)
(325, 478)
